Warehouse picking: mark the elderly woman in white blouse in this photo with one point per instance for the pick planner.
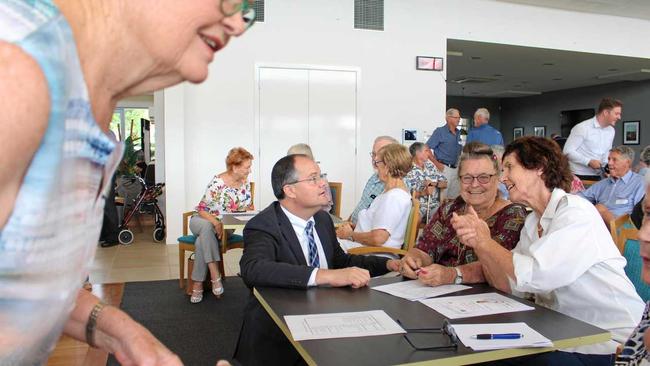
(565, 256)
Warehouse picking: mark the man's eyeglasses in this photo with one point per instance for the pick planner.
(312, 180)
(449, 342)
(232, 7)
(481, 178)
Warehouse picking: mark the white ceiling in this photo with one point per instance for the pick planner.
(624, 8)
(516, 71)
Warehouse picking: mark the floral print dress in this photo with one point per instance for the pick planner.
(220, 198)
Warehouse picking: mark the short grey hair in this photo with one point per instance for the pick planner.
(302, 149)
(625, 151)
(390, 139)
(645, 155)
(483, 112)
(451, 111)
(498, 149)
(416, 147)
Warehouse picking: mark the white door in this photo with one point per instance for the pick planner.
(284, 115)
(317, 107)
(332, 128)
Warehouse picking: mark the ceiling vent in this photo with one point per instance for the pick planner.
(369, 14)
(258, 5)
(472, 80)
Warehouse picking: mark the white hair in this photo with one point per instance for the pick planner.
(390, 139)
(451, 111)
(301, 148)
(483, 112)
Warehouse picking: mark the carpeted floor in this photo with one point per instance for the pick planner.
(200, 334)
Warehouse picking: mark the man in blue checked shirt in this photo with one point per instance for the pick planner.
(617, 195)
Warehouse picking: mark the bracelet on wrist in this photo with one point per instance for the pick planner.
(91, 325)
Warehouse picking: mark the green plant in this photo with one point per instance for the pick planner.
(129, 159)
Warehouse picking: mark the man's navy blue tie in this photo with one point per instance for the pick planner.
(314, 261)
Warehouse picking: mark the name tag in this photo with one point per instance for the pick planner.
(622, 201)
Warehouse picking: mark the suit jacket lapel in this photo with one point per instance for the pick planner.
(324, 235)
(290, 236)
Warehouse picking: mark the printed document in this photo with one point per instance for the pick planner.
(530, 337)
(416, 290)
(456, 307)
(341, 325)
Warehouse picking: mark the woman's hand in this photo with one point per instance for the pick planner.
(435, 275)
(470, 229)
(408, 265)
(344, 231)
(218, 228)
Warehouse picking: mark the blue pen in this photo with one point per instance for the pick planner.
(499, 336)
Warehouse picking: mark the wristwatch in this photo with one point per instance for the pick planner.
(459, 276)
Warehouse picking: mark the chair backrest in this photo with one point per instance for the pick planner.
(252, 191)
(629, 237)
(616, 225)
(587, 183)
(412, 225)
(336, 188)
(186, 221)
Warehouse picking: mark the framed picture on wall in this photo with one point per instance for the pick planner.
(517, 132)
(539, 131)
(631, 132)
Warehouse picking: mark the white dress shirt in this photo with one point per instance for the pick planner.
(299, 226)
(588, 141)
(576, 269)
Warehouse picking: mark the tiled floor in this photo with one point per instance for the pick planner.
(145, 260)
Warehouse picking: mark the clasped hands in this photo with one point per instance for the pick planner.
(344, 231)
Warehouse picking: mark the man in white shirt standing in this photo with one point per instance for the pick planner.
(590, 141)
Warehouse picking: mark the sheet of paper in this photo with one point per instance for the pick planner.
(243, 218)
(241, 213)
(531, 338)
(341, 325)
(455, 307)
(416, 290)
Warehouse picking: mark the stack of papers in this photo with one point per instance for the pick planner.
(416, 290)
(530, 338)
(456, 307)
(341, 325)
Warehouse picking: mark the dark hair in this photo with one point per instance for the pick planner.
(416, 147)
(283, 173)
(609, 103)
(534, 152)
(477, 150)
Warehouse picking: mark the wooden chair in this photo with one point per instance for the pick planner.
(615, 227)
(587, 183)
(336, 188)
(186, 243)
(409, 236)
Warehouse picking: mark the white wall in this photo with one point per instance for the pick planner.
(209, 119)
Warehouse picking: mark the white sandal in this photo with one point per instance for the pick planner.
(217, 291)
(197, 296)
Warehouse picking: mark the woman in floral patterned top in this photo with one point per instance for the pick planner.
(229, 191)
(425, 181)
(439, 256)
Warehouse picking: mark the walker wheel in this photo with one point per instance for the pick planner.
(125, 237)
(159, 234)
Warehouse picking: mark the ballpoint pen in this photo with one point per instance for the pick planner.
(499, 336)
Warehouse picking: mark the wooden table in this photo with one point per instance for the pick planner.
(393, 349)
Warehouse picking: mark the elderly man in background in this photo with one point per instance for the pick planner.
(374, 187)
(590, 140)
(482, 131)
(616, 195)
(445, 149)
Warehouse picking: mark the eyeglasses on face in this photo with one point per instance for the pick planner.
(314, 180)
(232, 7)
(446, 329)
(481, 178)
(375, 162)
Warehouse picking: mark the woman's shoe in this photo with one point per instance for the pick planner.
(217, 291)
(197, 296)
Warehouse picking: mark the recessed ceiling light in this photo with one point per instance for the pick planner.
(557, 79)
(612, 69)
(548, 64)
(476, 58)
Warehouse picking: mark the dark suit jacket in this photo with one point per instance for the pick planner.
(273, 258)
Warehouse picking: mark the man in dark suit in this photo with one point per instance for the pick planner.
(292, 244)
